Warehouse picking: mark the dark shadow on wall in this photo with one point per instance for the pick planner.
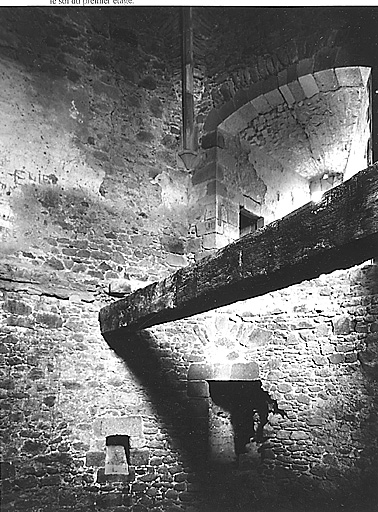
(165, 389)
(249, 406)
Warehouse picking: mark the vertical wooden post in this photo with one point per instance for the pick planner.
(187, 78)
(187, 82)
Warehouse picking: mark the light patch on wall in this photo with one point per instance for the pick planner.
(321, 184)
(115, 461)
(48, 154)
(74, 113)
(6, 215)
(174, 188)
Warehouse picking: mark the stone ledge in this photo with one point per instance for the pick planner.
(123, 425)
(237, 371)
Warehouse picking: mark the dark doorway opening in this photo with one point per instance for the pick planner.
(248, 407)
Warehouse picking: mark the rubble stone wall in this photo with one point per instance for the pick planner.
(94, 204)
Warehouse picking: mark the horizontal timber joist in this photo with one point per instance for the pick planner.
(337, 232)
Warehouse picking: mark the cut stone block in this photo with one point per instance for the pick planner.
(274, 98)
(244, 371)
(198, 388)
(213, 139)
(326, 80)
(235, 123)
(199, 407)
(297, 91)
(212, 121)
(351, 76)
(222, 372)
(124, 425)
(198, 371)
(261, 104)
(226, 110)
(289, 98)
(206, 173)
(308, 85)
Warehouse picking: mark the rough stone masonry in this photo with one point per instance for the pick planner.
(95, 204)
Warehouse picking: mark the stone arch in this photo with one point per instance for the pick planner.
(295, 83)
(316, 161)
(256, 76)
(329, 38)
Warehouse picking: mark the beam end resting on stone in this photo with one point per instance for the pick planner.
(336, 233)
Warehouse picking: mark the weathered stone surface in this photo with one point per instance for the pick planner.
(177, 260)
(95, 458)
(336, 358)
(299, 435)
(369, 360)
(315, 421)
(260, 336)
(341, 325)
(139, 457)
(17, 307)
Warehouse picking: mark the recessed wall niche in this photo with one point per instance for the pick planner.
(237, 406)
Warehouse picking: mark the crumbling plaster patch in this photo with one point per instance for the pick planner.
(36, 145)
(173, 187)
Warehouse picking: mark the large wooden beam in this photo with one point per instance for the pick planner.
(338, 232)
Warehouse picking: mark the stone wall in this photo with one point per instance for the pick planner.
(63, 391)
(313, 347)
(90, 137)
(94, 204)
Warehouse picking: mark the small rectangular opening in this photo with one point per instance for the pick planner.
(117, 459)
(249, 222)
